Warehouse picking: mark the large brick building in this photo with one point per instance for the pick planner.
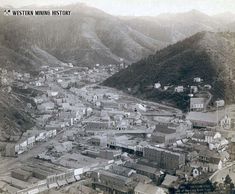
(168, 134)
(166, 159)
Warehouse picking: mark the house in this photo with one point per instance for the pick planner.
(225, 123)
(197, 104)
(219, 144)
(197, 79)
(194, 89)
(111, 96)
(38, 100)
(122, 125)
(52, 93)
(148, 189)
(179, 89)
(70, 64)
(157, 85)
(89, 111)
(38, 83)
(219, 103)
(207, 86)
(209, 136)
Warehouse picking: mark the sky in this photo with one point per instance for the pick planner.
(139, 7)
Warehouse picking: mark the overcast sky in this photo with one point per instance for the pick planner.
(139, 7)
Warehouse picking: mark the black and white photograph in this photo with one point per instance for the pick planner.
(117, 96)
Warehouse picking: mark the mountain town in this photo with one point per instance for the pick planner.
(157, 117)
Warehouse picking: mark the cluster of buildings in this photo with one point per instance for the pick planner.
(116, 143)
(27, 142)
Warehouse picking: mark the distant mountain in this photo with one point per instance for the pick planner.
(231, 27)
(225, 18)
(171, 28)
(208, 55)
(91, 36)
(87, 37)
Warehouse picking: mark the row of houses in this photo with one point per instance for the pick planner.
(12, 150)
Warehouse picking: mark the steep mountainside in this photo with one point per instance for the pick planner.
(90, 36)
(14, 119)
(87, 37)
(208, 55)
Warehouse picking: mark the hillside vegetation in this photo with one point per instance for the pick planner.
(208, 55)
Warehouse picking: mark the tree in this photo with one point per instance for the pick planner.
(229, 186)
(227, 180)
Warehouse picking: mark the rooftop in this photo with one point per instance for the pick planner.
(140, 167)
(114, 176)
(120, 170)
(197, 100)
(147, 188)
(169, 180)
(164, 129)
(206, 116)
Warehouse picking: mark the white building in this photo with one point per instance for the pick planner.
(194, 89)
(179, 89)
(197, 79)
(219, 103)
(197, 104)
(157, 85)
